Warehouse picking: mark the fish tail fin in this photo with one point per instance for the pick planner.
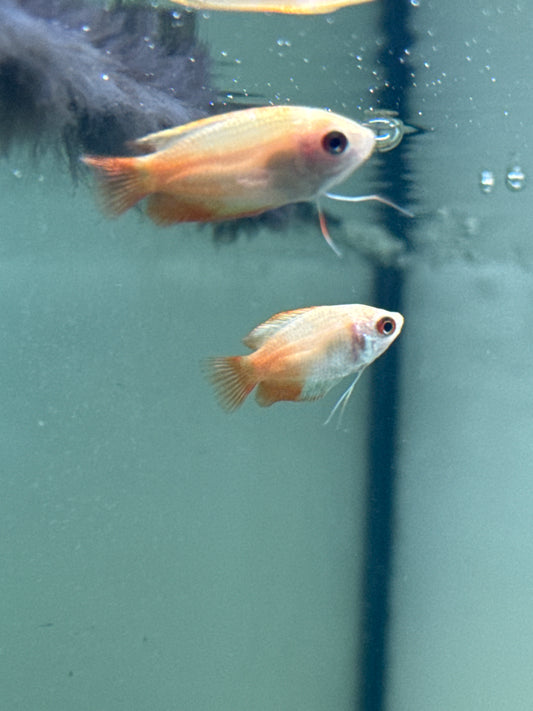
(233, 379)
(121, 182)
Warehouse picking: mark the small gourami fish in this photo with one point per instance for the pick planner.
(300, 355)
(236, 164)
(288, 7)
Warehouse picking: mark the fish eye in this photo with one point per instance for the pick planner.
(334, 142)
(386, 326)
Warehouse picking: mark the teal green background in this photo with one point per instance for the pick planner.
(157, 553)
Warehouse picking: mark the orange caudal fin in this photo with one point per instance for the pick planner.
(121, 182)
(232, 378)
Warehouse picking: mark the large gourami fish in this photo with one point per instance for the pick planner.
(288, 7)
(236, 164)
(300, 355)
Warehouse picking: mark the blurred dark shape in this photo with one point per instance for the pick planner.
(83, 79)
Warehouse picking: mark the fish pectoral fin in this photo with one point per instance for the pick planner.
(260, 334)
(315, 391)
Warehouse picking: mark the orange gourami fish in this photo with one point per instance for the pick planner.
(288, 7)
(302, 354)
(235, 165)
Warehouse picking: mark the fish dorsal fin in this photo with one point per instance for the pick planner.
(164, 139)
(260, 334)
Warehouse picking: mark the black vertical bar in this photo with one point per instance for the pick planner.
(383, 425)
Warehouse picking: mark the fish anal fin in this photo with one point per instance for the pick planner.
(260, 334)
(271, 391)
(166, 209)
(121, 182)
(233, 380)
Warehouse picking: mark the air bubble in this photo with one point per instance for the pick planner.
(486, 181)
(515, 178)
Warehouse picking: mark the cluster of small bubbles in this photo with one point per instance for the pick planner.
(515, 178)
(486, 181)
(283, 42)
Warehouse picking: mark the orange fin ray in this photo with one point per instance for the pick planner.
(271, 391)
(232, 378)
(121, 183)
(167, 209)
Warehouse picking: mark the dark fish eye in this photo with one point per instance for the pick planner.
(386, 326)
(334, 142)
